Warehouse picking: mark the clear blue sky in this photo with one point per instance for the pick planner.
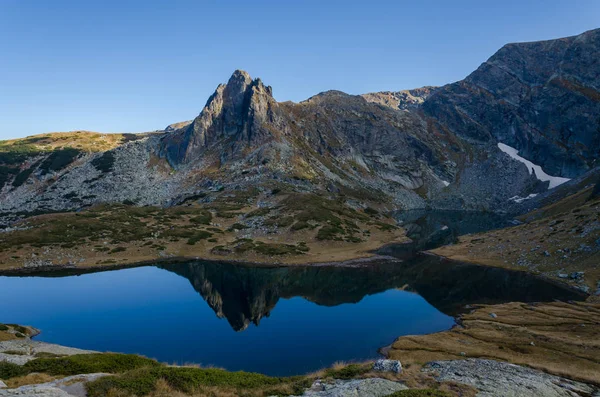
(127, 66)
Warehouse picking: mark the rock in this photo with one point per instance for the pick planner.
(577, 275)
(29, 348)
(546, 253)
(495, 378)
(374, 387)
(563, 275)
(71, 386)
(2, 385)
(493, 315)
(387, 366)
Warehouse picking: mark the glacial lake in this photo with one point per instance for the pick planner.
(277, 321)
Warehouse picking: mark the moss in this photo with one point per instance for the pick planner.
(118, 249)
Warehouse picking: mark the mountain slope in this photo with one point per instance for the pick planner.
(428, 147)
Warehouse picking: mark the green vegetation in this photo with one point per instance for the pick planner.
(59, 159)
(349, 371)
(270, 249)
(105, 162)
(204, 218)
(3, 327)
(88, 363)
(197, 236)
(23, 175)
(188, 380)
(9, 370)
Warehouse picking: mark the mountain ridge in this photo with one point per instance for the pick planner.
(429, 147)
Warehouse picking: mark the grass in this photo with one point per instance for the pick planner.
(190, 380)
(564, 336)
(88, 363)
(240, 246)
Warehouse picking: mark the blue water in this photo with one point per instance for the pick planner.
(277, 321)
(157, 313)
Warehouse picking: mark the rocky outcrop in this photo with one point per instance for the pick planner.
(542, 98)
(236, 113)
(373, 387)
(71, 386)
(403, 100)
(495, 378)
(20, 351)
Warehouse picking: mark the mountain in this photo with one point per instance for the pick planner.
(450, 147)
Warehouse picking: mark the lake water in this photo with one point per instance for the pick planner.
(278, 321)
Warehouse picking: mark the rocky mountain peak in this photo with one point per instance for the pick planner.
(231, 113)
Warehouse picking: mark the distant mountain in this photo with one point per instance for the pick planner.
(427, 147)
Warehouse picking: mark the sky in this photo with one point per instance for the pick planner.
(134, 66)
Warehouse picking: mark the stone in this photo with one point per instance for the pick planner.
(493, 315)
(373, 387)
(387, 366)
(2, 385)
(494, 378)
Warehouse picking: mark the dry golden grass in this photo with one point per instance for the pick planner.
(559, 338)
(559, 238)
(30, 379)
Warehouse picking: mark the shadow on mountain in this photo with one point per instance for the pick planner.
(245, 295)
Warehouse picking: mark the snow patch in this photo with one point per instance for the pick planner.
(539, 172)
(519, 200)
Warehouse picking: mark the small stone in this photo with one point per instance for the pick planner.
(493, 315)
(3, 385)
(387, 366)
(532, 344)
(463, 354)
(546, 253)
(563, 275)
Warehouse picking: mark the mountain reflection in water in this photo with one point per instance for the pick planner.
(245, 295)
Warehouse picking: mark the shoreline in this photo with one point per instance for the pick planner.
(54, 269)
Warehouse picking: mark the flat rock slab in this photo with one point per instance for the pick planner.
(29, 348)
(499, 379)
(71, 386)
(374, 387)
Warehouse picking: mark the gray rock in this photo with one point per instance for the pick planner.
(28, 348)
(387, 366)
(2, 385)
(374, 387)
(494, 378)
(71, 386)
